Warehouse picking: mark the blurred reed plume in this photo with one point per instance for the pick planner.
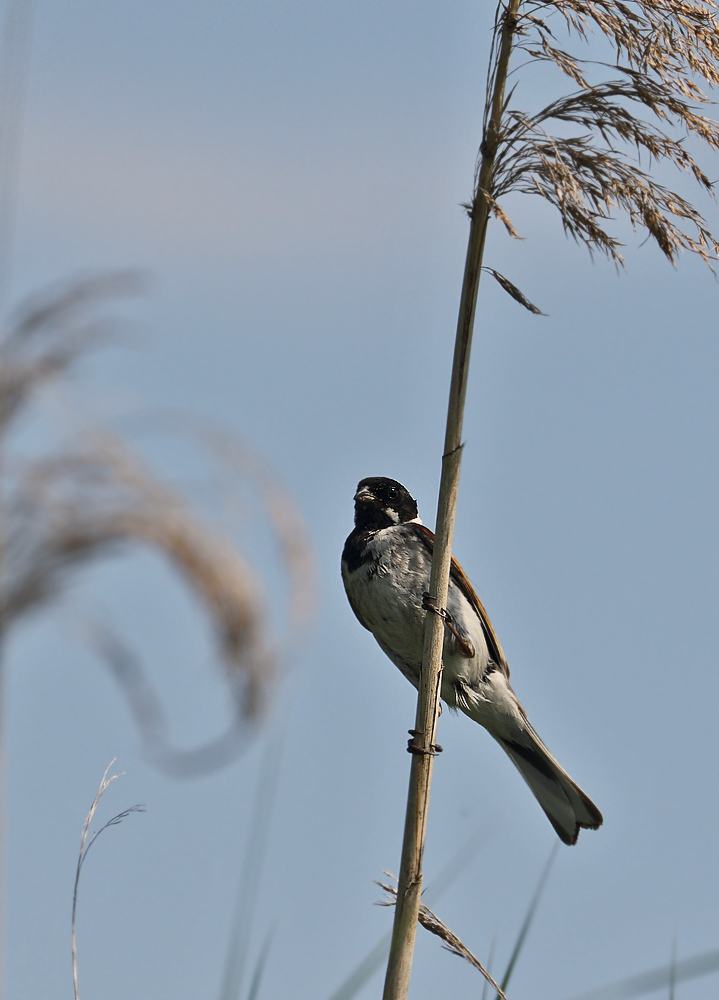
(587, 153)
(96, 497)
(49, 332)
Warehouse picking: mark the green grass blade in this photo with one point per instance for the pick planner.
(490, 962)
(457, 864)
(363, 972)
(656, 979)
(256, 980)
(529, 919)
(446, 877)
(673, 972)
(240, 933)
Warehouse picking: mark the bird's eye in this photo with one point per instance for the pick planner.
(392, 492)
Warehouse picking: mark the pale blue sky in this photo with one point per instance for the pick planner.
(290, 174)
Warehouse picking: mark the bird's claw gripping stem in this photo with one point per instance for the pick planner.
(412, 747)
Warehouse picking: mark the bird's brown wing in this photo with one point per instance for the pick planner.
(462, 581)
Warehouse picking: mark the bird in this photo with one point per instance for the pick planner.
(386, 565)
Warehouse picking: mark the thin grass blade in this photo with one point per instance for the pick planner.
(656, 979)
(490, 963)
(363, 972)
(257, 975)
(529, 918)
(240, 933)
(673, 972)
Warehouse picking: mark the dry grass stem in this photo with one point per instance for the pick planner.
(452, 943)
(399, 964)
(85, 848)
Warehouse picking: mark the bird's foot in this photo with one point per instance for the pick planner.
(434, 748)
(464, 646)
(429, 603)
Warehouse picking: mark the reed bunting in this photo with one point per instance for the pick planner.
(385, 569)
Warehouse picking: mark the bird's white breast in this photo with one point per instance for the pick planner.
(386, 594)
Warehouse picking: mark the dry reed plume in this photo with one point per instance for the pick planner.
(663, 52)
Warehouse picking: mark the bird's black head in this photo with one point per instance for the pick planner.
(380, 503)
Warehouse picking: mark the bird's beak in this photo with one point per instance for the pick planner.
(364, 494)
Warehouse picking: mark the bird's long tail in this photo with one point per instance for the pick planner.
(567, 807)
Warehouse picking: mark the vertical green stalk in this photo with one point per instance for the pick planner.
(409, 889)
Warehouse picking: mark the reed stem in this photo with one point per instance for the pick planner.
(409, 889)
